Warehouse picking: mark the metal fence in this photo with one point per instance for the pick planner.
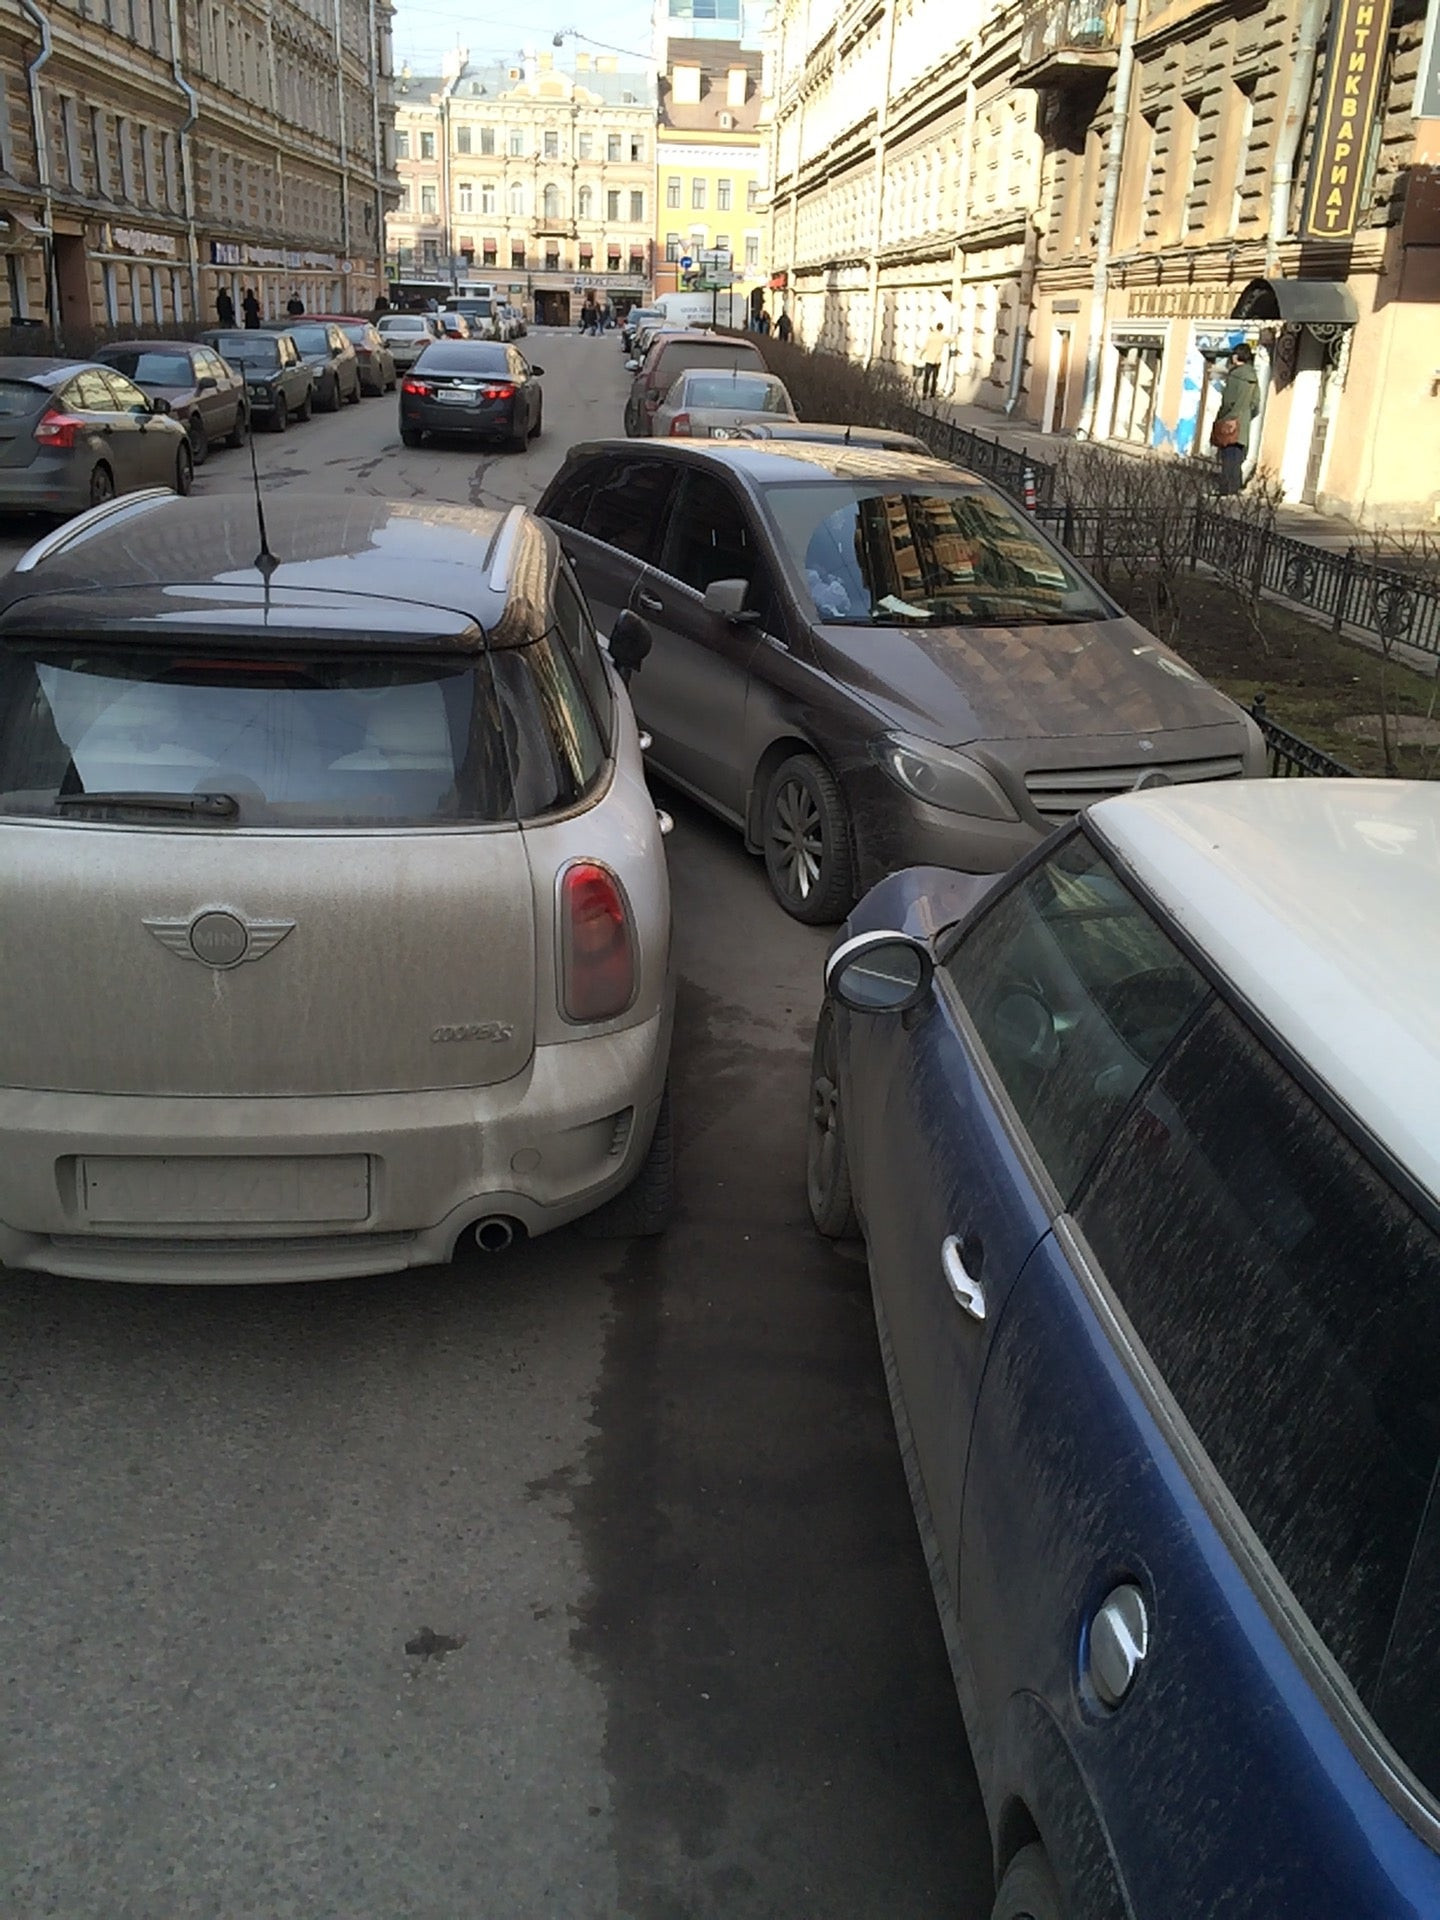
(1290, 756)
(1013, 470)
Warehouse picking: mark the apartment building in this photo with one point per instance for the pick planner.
(1099, 200)
(538, 181)
(155, 151)
(710, 159)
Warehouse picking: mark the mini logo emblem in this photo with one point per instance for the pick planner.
(219, 938)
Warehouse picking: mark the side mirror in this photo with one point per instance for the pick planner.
(206, 383)
(160, 405)
(727, 598)
(879, 973)
(632, 366)
(630, 644)
(535, 369)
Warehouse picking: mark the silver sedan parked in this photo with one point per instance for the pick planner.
(337, 925)
(407, 335)
(713, 403)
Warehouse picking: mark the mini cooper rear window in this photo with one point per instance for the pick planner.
(292, 742)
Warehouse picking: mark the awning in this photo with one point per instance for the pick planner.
(1298, 303)
(490, 243)
(587, 252)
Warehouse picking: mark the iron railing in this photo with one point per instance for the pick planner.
(1290, 756)
(1029, 481)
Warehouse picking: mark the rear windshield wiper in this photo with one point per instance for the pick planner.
(209, 806)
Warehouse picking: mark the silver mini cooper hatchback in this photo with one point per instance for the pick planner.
(337, 923)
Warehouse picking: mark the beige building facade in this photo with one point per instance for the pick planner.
(153, 152)
(536, 181)
(1100, 201)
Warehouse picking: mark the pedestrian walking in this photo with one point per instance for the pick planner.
(762, 321)
(250, 307)
(931, 356)
(784, 329)
(294, 306)
(225, 308)
(1234, 417)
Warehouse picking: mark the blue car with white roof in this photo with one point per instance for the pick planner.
(1144, 1142)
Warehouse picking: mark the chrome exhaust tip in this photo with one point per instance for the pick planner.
(494, 1235)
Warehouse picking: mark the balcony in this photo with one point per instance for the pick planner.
(552, 226)
(1068, 43)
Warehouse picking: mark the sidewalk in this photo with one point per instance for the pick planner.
(1331, 531)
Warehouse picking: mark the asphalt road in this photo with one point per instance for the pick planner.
(578, 1581)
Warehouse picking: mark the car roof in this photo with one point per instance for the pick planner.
(153, 562)
(773, 462)
(148, 346)
(1319, 901)
(46, 372)
(344, 319)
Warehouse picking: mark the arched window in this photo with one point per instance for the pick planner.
(587, 202)
(552, 203)
(517, 198)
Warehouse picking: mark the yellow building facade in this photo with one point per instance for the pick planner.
(710, 163)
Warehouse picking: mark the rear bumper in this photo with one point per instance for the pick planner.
(51, 483)
(491, 420)
(544, 1148)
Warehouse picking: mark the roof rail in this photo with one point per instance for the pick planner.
(84, 524)
(503, 552)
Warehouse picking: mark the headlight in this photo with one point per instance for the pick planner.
(942, 777)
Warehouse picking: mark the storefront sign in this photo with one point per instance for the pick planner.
(132, 240)
(1175, 303)
(1358, 33)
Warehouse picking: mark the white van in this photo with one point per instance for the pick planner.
(728, 309)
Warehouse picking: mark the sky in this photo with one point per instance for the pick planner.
(425, 29)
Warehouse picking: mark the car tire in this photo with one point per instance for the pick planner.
(643, 1209)
(355, 396)
(411, 437)
(199, 439)
(102, 485)
(332, 402)
(805, 833)
(827, 1172)
(539, 426)
(279, 415)
(517, 442)
(392, 382)
(240, 432)
(1029, 1890)
(306, 407)
(184, 471)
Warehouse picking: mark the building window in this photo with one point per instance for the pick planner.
(697, 196)
(552, 146)
(637, 207)
(1242, 125)
(672, 248)
(427, 146)
(112, 295)
(517, 259)
(402, 143)
(752, 195)
(427, 199)
(752, 251)
(462, 139)
(551, 203)
(487, 196)
(74, 164)
(487, 254)
(612, 146)
(722, 244)
(171, 161)
(637, 260)
(637, 150)
(517, 199)
(19, 291)
(722, 196)
(158, 280)
(430, 253)
(7, 138)
(467, 196)
(552, 259)
(1180, 169)
(612, 259)
(100, 140)
(672, 190)
(125, 141)
(586, 199)
(406, 201)
(585, 146)
(612, 206)
(517, 141)
(1137, 377)
(487, 140)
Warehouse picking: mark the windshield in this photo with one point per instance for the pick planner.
(875, 555)
(249, 350)
(154, 369)
(311, 339)
(291, 741)
(751, 393)
(403, 323)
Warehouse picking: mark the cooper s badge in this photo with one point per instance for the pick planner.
(218, 938)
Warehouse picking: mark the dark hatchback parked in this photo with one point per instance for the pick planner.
(74, 434)
(1148, 1172)
(479, 388)
(278, 384)
(205, 395)
(870, 660)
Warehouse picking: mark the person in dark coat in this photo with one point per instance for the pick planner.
(225, 308)
(294, 306)
(784, 328)
(250, 307)
(1239, 402)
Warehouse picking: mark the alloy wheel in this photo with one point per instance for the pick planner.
(102, 486)
(797, 837)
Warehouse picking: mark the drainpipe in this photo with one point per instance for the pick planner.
(1297, 102)
(187, 178)
(1028, 269)
(1100, 281)
(42, 157)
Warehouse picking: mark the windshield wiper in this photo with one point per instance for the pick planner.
(210, 806)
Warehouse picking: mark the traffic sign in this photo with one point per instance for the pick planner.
(686, 263)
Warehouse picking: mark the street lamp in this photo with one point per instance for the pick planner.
(574, 33)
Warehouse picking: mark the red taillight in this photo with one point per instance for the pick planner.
(680, 424)
(597, 947)
(55, 429)
(422, 388)
(497, 393)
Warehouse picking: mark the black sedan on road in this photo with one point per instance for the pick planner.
(205, 395)
(278, 384)
(330, 356)
(869, 660)
(480, 388)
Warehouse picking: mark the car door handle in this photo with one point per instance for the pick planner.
(961, 1282)
(650, 603)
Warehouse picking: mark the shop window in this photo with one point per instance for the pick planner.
(487, 256)
(517, 259)
(1137, 380)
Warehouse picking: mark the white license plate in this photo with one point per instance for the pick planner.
(194, 1190)
(458, 396)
